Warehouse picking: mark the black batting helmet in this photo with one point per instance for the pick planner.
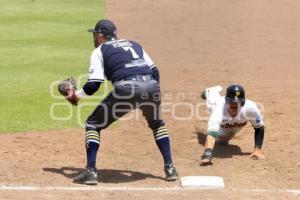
(235, 93)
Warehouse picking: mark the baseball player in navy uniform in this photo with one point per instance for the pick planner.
(135, 80)
(229, 115)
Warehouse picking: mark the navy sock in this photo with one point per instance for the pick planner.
(164, 147)
(163, 142)
(91, 152)
(92, 140)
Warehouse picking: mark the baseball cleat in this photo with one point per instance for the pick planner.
(88, 177)
(171, 173)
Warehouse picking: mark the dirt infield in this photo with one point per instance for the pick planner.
(196, 44)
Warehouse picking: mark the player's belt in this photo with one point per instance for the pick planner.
(138, 77)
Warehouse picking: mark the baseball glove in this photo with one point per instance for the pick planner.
(67, 88)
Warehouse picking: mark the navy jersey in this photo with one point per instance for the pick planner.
(117, 59)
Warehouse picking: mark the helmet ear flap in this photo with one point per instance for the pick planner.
(243, 101)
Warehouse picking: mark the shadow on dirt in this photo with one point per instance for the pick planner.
(105, 175)
(222, 151)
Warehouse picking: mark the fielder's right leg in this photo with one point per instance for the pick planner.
(152, 113)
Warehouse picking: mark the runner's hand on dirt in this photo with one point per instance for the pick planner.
(205, 161)
(206, 157)
(257, 155)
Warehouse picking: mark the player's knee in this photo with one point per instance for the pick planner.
(89, 125)
(92, 124)
(154, 125)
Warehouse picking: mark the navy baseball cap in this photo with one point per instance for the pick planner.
(105, 27)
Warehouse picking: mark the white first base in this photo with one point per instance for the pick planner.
(202, 182)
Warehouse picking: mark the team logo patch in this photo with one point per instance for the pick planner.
(235, 125)
(237, 93)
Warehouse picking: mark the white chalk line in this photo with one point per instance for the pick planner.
(7, 187)
(293, 191)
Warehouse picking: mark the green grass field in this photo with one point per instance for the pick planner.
(42, 41)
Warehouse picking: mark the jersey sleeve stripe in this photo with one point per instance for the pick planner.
(95, 80)
(212, 130)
